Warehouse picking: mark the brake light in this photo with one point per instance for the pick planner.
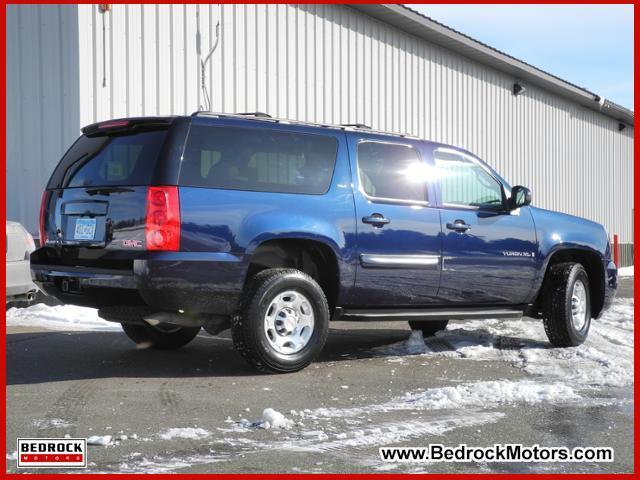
(43, 215)
(114, 124)
(162, 230)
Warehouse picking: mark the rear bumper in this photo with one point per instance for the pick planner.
(207, 283)
(18, 279)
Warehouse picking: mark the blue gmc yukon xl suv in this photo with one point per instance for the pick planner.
(273, 228)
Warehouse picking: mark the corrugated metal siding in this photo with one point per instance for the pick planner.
(42, 101)
(330, 63)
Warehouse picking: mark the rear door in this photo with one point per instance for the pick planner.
(96, 197)
(398, 231)
(488, 252)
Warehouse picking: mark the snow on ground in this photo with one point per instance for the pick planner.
(59, 317)
(101, 440)
(189, 433)
(605, 359)
(625, 271)
(274, 419)
(568, 376)
(466, 395)
(379, 434)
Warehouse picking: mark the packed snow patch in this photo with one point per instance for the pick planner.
(101, 440)
(59, 317)
(625, 271)
(479, 394)
(605, 359)
(51, 423)
(188, 433)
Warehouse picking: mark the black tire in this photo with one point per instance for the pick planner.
(557, 305)
(159, 339)
(428, 328)
(247, 325)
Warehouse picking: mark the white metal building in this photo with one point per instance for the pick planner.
(382, 65)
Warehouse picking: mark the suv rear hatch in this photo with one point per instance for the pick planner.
(94, 210)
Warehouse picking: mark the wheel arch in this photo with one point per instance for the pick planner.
(592, 262)
(319, 258)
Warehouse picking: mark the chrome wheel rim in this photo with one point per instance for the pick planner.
(289, 322)
(579, 305)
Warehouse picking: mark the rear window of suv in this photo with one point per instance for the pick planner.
(258, 160)
(110, 160)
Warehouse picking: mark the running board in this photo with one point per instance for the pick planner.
(428, 314)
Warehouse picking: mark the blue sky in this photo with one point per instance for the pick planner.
(588, 45)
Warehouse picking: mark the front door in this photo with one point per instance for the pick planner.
(398, 231)
(488, 252)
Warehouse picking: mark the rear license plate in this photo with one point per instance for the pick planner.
(85, 229)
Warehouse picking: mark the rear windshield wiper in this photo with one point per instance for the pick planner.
(107, 190)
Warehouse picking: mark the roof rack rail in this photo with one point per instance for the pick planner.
(266, 117)
(356, 125)
(254, 114)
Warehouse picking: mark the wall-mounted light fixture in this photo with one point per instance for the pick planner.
(518, 89)
(621, 126)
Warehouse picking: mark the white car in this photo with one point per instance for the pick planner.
(20, 244)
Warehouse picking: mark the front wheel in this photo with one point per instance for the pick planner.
(161, 337)
(283, 321)
(566, 305)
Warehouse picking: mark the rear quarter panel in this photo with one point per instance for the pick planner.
(228, 225)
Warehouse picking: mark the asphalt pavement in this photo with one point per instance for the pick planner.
(346, 405)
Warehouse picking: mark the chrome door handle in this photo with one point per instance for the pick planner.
(458, 226)
(376, 219)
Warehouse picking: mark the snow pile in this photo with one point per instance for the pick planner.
(274, 419)
(490, 393)
(605, 359)
(101, 440)
(189, 433)
(270, 419)
(625, 271)
(466, 395)
(59, 317)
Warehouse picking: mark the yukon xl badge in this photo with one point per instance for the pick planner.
(511, 253)
(132, 243)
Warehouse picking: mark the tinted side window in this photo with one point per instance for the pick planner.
(258, 160)
(391, 171)
(465, 182)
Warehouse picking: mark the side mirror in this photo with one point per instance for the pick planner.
(520, 197)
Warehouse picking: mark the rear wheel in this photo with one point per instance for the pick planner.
(429, 328)
(160, 337)
(566, 305)
(283, 321)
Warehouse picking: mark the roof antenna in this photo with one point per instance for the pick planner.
(203, 64)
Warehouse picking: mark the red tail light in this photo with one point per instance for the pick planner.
(43, 215)
(163, 219)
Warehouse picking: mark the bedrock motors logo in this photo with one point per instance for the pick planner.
(52, 453)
